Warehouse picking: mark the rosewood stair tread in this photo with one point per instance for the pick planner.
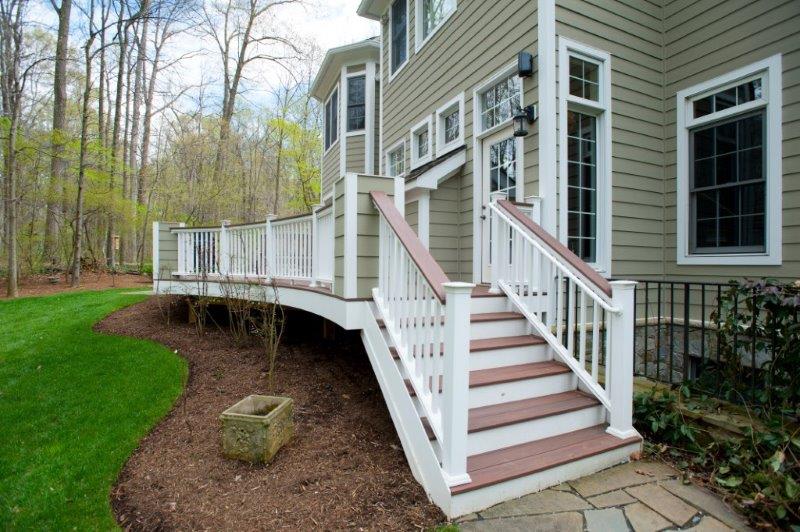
(517, 461)
(502, 414)
(490, 344)
(504, 374)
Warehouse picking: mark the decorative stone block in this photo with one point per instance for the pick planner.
(255, 428)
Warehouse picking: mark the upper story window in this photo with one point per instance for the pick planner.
(431, 15)
(421, 143)
(356, 103)
(729, 178)
(332, 119)
(396, 159)
(450, 125)
(499, 102)
(398, 24)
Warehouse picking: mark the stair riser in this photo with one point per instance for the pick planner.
(536, 429)
(517, 390)
(483, 305)
(498, 329)
(480, 499)
(511, 356)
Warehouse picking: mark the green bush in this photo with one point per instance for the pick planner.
(760, 470)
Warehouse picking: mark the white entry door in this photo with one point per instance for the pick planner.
(499, 176)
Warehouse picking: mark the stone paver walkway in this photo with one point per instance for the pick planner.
(638, 496)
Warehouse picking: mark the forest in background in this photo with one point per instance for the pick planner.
(103, 131)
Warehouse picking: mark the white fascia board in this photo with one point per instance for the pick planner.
(431, 179)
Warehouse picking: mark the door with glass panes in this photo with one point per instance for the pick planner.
(500, 176)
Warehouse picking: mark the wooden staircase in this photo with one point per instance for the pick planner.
(530, 425)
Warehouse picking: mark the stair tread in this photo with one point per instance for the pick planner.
(489, 344)
(498, 415)
(517, 461)
(504, 374)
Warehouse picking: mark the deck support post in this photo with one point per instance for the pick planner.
(270, 258)
(315, 245)
(455, 389)
(620, 360)
(224, 266)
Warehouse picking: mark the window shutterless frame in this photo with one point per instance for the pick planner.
(331, 119)
(769, 106)
(571, 100)
(450, 125)
(398, 37)
(399, 149)
(356, 116)
(422, 133)
(435, 11)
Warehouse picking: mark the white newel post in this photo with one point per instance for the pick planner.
(315, 245)
(494, 251)
(620, 376)
(270, 259)
(455, 400)
(224, 249)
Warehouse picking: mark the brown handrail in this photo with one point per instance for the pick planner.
(430, 269)
(575, 261)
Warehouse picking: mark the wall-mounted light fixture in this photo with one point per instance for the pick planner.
(524, 65)
(523, 117)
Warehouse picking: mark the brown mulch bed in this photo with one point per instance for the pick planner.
(40, 285)
(344, 469)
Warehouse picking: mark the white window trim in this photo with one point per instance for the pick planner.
(325, 120)
(477, 123)
(602, 110)
(349, 75)
(418, 40)
(394, 147)
(394, 74)
(443, 147)
(770, 68)
(426, 122)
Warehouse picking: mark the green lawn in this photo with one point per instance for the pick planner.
(73, 405)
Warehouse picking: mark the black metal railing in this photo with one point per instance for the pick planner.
(682, 336)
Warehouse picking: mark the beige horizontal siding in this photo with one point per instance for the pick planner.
(355, 153)
(330, 169)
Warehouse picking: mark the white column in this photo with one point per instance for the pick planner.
(224, 249)
(620, 372)
(494, 246)
(424, 218)
(270, 247)
(315, 245)
(455, 400)
(400, 195)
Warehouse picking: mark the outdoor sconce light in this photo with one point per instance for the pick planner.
(523, 117)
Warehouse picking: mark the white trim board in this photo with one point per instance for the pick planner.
(771, 68)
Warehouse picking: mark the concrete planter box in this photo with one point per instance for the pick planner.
(255, 428)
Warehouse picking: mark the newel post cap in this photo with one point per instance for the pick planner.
(458, 288)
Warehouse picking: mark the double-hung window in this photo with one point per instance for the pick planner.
(430, 16)
(356, 117)
(332, 119)
(585, 155)
(728, 174)
(398, 24)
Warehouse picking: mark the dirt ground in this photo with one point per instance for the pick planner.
(40, 285)
(344, 469)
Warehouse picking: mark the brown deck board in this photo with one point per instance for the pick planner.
(517, 461)
(490, 344)
(485, 377)
(492, 416)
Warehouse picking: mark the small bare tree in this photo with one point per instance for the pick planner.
(270, 325)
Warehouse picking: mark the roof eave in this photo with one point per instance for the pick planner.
(368, 49)
(373, 9)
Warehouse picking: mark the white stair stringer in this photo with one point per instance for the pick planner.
(419, 452)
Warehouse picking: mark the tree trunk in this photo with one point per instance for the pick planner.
(58, 165)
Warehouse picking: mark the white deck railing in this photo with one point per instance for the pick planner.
(587, 321)
(427, 319)
(282, 248)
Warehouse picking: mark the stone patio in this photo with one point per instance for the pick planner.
(638, 496)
